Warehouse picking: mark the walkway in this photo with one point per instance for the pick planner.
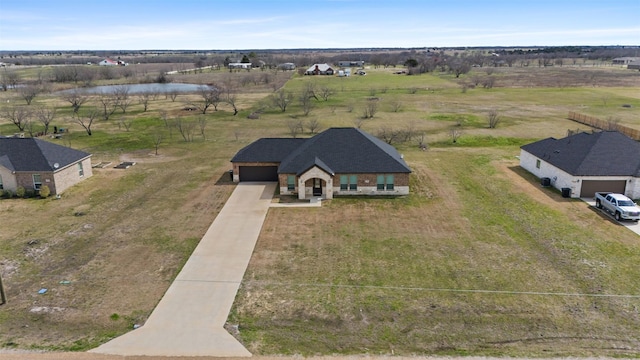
(189, 319)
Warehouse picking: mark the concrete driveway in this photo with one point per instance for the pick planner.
(189, 319)
(631, 225)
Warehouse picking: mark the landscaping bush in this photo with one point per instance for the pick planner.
(20, 191)
(29, 193)
(45, 191)
(7, 194)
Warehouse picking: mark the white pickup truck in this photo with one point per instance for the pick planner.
(620, 206)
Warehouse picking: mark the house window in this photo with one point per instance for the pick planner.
(37, 181)
(291, 182)
(385, 182)
(344, 182)
(348, 182)
(353, 182)
(1, 185)
(538, 164)
(80, 170)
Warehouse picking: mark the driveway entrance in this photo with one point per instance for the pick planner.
(189, 319)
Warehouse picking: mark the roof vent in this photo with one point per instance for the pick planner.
(56, 165)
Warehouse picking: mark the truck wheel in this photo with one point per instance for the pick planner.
(598, 204)
(618, 216)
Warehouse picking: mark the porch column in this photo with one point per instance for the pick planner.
(301, 188)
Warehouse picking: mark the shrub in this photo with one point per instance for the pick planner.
(29, 193)
(7, 194)
(45, 191)
(20, 191)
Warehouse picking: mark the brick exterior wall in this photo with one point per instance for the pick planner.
(57, 181)
(367, 185)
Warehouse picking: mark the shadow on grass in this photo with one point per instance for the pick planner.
(225, 179)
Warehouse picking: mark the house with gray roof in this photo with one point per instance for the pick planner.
(586, 163)
(337, 161)
(31, 163)
(320, 69)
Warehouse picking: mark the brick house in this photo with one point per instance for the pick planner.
(586, 163)
(31, 163)
(337, 161)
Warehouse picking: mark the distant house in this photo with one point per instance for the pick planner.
(287, 66)
(239, 65)
(351, 63)
(319, 69)
(31, 163)
(586, 163)
(634, 65)
(110, 62)
(624, 60)
(337, 161)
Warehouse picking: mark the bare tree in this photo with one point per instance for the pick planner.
(121, 95)
(493, 118)
(313, 125)
(232, 100)
(29, 92)
(326, 92)
(396, 106)
(18, 116)
(209, 95)
(165, 117)
(125, 122)
(455, 133)
(186, 128)
(306, 104)
(282, 99)
(46, 116)
(86, 120)
(202, 123)
(422, 143)
(358, 122)
(370, 109)
(388, 135)
(76, 98)
(157, 139)
(144, 99)
(295, 127)
(9, 79)
(172, 95)
(108, 104)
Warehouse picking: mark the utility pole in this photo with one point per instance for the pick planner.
(3, 297)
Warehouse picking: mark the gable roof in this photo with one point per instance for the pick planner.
(29, 154)
(320, 67)
(606, 153)
(335, 150)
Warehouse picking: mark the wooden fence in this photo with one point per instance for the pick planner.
(607, 125)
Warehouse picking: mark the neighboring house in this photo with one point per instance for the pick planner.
(352, 63)
(31, 163)
(586, 163)
(634, 65)
(337, 161)
(287, 66)
(624, 60)
(240, 65)
(319, 69)
(109, 62)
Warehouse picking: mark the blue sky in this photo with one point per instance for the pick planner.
(284, 24)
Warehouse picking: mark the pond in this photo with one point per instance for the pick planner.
(140, 88)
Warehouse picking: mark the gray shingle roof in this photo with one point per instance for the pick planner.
(267, 150)
(336, 150)
(606, 153)
(31, 154)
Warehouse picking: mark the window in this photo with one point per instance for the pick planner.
(538, 164)
(1, 185)
(37, 181)
(348, 182)
(390, 182)
(291, 182)
(385, 182)
(380, 182)
(80, 170)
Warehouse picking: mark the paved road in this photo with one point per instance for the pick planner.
(189, 319)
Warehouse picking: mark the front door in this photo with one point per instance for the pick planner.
(317, 187)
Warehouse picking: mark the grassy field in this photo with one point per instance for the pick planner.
(478, 260)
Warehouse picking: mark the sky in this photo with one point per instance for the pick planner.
(294, 24)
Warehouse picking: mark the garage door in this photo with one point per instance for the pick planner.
(590, 187)
(258, 173)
